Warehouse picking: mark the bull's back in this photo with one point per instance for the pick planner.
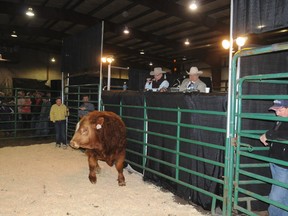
(113, 133)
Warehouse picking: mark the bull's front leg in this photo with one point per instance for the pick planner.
(93, 166)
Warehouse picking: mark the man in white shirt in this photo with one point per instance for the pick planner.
(193, 83)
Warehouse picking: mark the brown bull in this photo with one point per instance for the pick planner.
(103, 135)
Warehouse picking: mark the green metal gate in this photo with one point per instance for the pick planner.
(247, 158)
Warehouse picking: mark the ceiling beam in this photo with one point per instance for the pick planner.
(184, 13)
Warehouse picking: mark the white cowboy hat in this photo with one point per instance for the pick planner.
(156, 71)
(194, 71)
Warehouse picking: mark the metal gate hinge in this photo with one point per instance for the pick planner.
(234, 141)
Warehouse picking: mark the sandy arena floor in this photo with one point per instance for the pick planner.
(43, 180)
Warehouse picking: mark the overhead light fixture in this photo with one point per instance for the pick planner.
(150, 63)
(30, 12)
(14, 34)
(107, 59)
(53, 59)
(240, 41)
(142, 52)
(184, 58)
(283, 30)
(2, 59)
(187, 42)
(193, 5)
(226, 44)
(126, 30)
(261, 26)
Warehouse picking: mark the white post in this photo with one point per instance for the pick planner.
(101, 68)
(109, 77)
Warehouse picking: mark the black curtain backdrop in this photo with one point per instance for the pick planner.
(81, 52)
(249, 15)
(253, 65)
(203, 102)
(215, 102)
(167, 100)
(134, 99)
(137, 79)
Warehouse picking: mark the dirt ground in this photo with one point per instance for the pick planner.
(41, 179)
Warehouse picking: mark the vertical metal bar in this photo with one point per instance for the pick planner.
(16, 114)
(238, 128)
(228, 171)
(101, 68)
(121, 108)
(178, 143)
(78, 99)
(62, 87)
(109, 77)
(145, 135)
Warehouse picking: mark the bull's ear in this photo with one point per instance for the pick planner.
(99, 123)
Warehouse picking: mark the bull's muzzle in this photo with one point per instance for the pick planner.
(74, 144)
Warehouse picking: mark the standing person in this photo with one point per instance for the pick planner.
(26, 112)
(278, 151)
(58, 114)
(193, 83)
(43, 125)
(35, 108)
(86, 107)
(159, 82)
(20, 102)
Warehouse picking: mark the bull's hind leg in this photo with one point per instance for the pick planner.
(93, 166)
(119, 166)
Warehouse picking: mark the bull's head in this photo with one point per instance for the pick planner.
(86, 135)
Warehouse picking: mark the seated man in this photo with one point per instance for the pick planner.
(193, 83)
(159, 82)
(86, 107)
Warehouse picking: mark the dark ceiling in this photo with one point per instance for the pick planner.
(159, 27)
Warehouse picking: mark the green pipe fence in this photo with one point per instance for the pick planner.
(175, 151)
(13, 126)
(73, 99)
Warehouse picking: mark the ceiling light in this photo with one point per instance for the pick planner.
(150, 63)
(30, 12)
(184, 58)
(240, 41)
(2, 59)
(187, 42)
(283, 30)
(53, 59)
(226, 44)
(126, 30)
(261, 26)
(107, 59)
(193, 5)
(142, 52)
(14, 34)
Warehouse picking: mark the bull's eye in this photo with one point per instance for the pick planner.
(84, 131)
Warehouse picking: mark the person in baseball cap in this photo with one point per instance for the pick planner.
(278, 151)
(278, 104)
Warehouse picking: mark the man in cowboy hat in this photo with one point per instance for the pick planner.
(193, 83)
(159, 83)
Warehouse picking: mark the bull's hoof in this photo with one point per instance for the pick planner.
(121, 183)
(93, 179)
